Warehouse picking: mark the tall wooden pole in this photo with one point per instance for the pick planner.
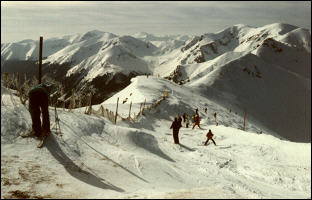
(116, 110)
(40, 59)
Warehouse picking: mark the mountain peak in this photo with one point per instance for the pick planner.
(96, 33)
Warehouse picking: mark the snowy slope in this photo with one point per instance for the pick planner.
(97, 159)
(183, 99)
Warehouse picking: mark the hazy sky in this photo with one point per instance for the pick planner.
(30, 20)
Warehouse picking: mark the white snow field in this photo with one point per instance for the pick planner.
(97, 159)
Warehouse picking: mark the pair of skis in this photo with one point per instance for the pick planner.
(31, 134)
(42, 139)
(56, 126)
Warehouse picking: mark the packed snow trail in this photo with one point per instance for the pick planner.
(97, 159)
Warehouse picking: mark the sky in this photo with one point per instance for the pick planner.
(32, 19)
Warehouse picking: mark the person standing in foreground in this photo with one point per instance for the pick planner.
(209, 137)
(39, 99)
(175, 126)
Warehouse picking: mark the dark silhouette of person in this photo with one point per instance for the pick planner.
(39, 100)
(175, 126)
(179, 118)
(184, 117)
(196, 111)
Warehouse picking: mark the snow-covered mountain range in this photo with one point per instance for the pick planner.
(267, 69)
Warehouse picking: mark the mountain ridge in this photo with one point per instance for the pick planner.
(235, 59)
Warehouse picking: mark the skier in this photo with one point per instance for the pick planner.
(175, 126)
(186, 121)
(196, 121)
(209, 137)
(179, 119)
(193, 119)
(196, 111)
(184, 116)
(39, 99)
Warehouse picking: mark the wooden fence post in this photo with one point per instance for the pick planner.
(143, 106)
(116, 110)
(140, 108)
(130, 109)
(244, 117)
(102, 110)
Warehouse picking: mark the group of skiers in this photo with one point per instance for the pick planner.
(39, 102)
(177, 124)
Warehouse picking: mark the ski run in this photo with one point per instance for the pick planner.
(95, 158)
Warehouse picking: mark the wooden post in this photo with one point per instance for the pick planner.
(102, 110)
(244, 117)
(130, 109)
(116, 110)
(111, 116)
(144, 105)
(40, 59)
(140, 107)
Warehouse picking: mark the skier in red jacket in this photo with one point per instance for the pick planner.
(209, 137)
(196, 121)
